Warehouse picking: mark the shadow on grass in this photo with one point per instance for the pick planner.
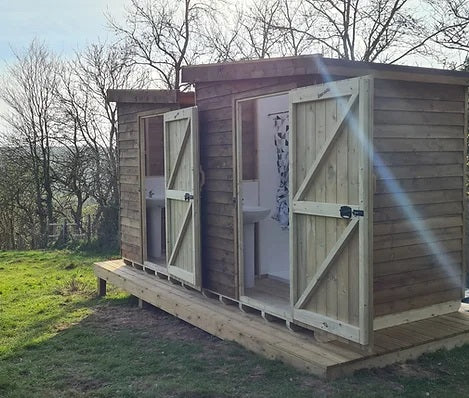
(119, 350)
(70, 311)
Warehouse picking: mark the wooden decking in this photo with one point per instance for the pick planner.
(274, 340)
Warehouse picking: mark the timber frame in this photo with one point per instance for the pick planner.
(141, 118)
(238, 100)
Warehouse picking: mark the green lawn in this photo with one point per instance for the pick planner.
(58, 340)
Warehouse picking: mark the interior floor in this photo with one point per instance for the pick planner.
(157, 264)
(157, 260)
(270, 291)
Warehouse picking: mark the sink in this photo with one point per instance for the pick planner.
(155, 201)
(253, 214)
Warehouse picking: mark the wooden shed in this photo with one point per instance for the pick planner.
(324, 193)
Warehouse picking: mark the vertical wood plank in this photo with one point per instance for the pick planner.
(353, 197)
(305, 231)
(331, 197)
(342, 197)
(465, 181)
(141, 127)
(320, 188)
(365, 123)
(238, 192)
(292, 177)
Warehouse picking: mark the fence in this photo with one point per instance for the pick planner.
(65, 231)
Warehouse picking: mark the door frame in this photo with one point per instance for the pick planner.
(141, 117)
(238, 187)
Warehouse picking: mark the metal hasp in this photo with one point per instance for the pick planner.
(188, 197)
(347, 212)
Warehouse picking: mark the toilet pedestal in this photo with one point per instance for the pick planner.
(154, 232)
(249, 255)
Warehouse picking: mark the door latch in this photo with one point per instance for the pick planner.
(188, 197)
(347, 212)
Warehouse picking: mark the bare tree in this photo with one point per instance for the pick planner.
(18, 216)
(295, 41)
(451, 19)
(252, 31)
(223, 37)
(72, 160)
(261, 37)
(29, 89)
(95, 70)
(163, 35)
(366, 30)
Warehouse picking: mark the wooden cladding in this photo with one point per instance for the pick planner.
(130, 171)
(418, 200)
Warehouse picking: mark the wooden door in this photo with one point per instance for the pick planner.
(330, 209)
(181, 150)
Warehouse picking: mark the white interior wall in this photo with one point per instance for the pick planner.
(273, 246)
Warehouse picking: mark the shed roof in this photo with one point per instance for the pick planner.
(317, 64)
(151, 96)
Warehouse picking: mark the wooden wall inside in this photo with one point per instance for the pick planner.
(129, 169)
(154, 146)
(249, 140)
(419, 164)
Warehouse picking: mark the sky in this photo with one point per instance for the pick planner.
(64, 25)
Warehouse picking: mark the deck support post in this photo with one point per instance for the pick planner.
(101, 287)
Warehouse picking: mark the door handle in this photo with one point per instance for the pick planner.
(188, 197)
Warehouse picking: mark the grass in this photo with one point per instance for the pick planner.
(58, 340)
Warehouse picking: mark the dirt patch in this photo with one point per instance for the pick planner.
(154, 322)
(201, 395)
(409, 369)
(414, 369)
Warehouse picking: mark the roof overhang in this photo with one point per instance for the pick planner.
(150, 97)
(317, 65)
